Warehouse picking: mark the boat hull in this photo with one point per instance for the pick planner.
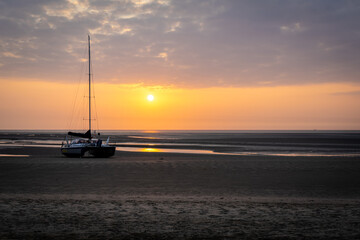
(73, 151)
(103, 151)
(99, 152)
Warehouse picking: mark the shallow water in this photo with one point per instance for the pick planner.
(13, 155)
(151, 148)
(270, 143)
(195, 151)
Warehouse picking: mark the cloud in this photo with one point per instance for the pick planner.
(193, 43)
(293, 28)
(10, 54)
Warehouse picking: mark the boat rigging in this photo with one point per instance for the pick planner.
(78, 147)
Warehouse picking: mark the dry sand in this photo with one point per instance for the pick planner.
(177, 196)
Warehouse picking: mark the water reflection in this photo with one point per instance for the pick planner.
(225, 149)
(13, 155)
(196, 151)
(165, 150)
(150, 150)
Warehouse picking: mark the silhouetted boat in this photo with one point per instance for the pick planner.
(86, 143)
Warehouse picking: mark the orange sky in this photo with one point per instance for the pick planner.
(46, 105)
(242, 65)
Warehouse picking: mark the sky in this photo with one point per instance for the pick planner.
(214, 64)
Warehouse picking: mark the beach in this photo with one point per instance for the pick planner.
(165, 119)
(161, 195)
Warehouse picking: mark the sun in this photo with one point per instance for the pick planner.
(150, 98)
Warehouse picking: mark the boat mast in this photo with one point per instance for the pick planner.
(89, 87)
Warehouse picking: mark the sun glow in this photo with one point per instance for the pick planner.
(126, 107)
(150, 150)
(150, 98)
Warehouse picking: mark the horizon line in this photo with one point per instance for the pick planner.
(314, 130)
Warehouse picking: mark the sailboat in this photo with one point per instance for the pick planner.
(86, 143)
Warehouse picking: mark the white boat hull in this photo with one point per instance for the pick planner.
(73, 151)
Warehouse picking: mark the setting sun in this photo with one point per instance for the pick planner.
(150, 98)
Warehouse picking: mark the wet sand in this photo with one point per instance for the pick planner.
(177, 196)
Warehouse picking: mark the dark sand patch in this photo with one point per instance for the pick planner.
(176, 219)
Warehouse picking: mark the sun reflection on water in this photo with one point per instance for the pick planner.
(150, 150)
